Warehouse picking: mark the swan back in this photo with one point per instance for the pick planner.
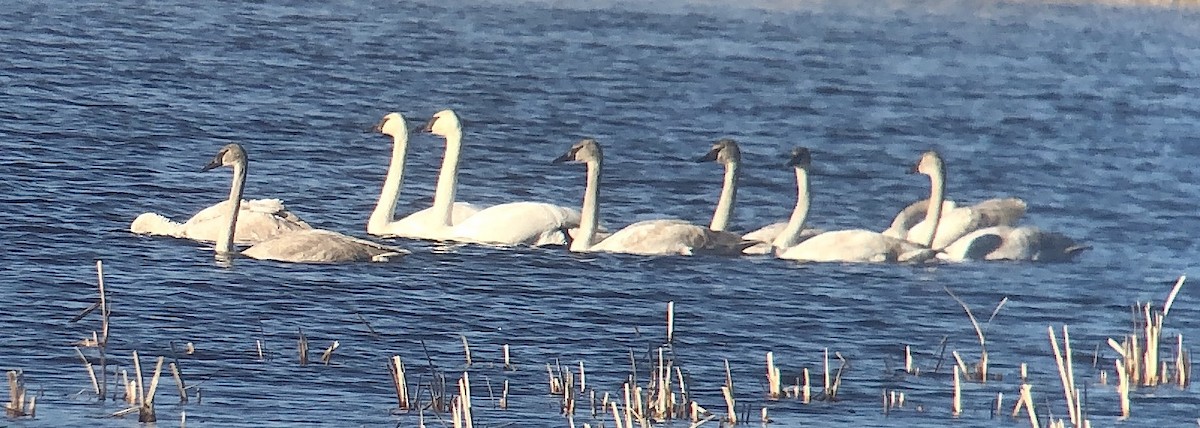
(321, 246)
(671, 236)
(857, 246)
(960, 221)
(1026, 243)
(518, 223)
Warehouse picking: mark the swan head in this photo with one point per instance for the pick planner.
(229, 155)
(444, 123)
(586, 150)
(392, 124)
(800, 158)
(724, 152)
(930, 164)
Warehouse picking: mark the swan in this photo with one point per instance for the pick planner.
(514, 223)
(649, 237)
(301, 246)
(856, 245)
(939, 228)
(1013, 243)
(261, 219)
(423, 224)
(727, 152)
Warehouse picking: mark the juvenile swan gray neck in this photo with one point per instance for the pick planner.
(725, 152)
(587, 151)
(790, 236)
(385, 211)
(234, 156)
(931, 165)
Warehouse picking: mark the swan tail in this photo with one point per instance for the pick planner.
(155, 224)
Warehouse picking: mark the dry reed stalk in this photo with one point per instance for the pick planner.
(146, 397)
(982, 370)
(807, 394)
(1122, 389)
(616, 415)
(328, 354)
(765, 420)
(773, 378)
(302, 347)
(728, 377)
(555, 382)
(1066, 374)
(908, 364)
(956, 405)
(1183, 364)
(130, 388)
(399, 381)
(504, 398)
(17, 405)
(183, 398)
(258, 346)
(91, 371)
(670, 321)
(464, 393)
(1027, 397)
(466, 349)
(729, 406)
(999, 403)
(507, 364)
(582, 378)
(102, 340)
(189, 348)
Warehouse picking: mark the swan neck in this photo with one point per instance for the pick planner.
(443, 196)
(724, 211)
(589, 216)
(225, 240)
(385, 210)
(790, 236)
(937, 195)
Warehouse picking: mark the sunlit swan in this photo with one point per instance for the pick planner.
(959, 221)
(528, 223)
(1013, 243)
(259, 220)
(423, 224)
(649, 237)
(726, 152)
(855, 245)
(303, 246)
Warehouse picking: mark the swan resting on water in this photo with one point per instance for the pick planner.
(301, 246)
(848, 246)
(649, 237)
(513, 223)
(423, 224)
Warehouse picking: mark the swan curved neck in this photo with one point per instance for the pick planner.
(443, 197)
(724, 211)
(589, 216)
(790, 236)
(385, 210)
(937, 194)
(225, 240)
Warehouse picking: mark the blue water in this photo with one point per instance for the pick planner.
(1087, 112)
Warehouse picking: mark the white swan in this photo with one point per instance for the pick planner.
(423, 224)
(514, 223)
(261, 219)
(855, 245)
(303, 246)
(727, 152)
(940, 229)
(649, 237)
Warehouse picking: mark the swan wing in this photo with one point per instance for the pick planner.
(765, 236)
(671, 236)
(1025, 243)
(913, 214)
(321, 246)
(518, 223)
(258, 220)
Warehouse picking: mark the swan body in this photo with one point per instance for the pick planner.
(649, 237)
(423, 224)
(303, 246)
(849, 246)
(764, 236)
(259, 220)
(1025, 243)
(857, 246)
(514, 223)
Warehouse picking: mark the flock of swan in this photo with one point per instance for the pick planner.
(931, 230)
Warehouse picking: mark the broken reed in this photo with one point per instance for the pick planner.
(20, 404)
(802, 389)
